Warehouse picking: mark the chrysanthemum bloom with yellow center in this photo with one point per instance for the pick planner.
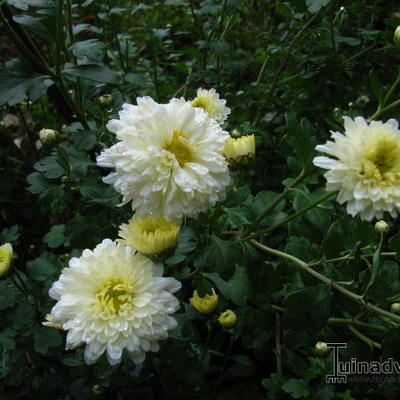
(210, 102)
(240, 151)
(365, 167)
(6, 253)
(113, 298)
(150, 235)
(168, 160)
(205, 304)
(227, 319)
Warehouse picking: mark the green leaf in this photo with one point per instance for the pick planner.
(96, 73)
(315, 5)
(45, 338)
(63, 160)
(34, 25)
(19, 83)
(43, 268)
(7, 341)
(187, 240)
(8, 294)
(50, 167)
(88, 51)
(9, 235)
(236, 289)
(222, 254)
(56, 237)
(308, 308)
(297, 388)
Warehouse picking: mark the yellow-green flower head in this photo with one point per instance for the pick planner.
(6, 253)
(227, 319)
(396, 37)
(382, 226)
(48, 136)
(210, 102)
(206, 304)
(240, 151)
(150, 235)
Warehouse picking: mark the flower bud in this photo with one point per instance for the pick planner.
(395, 308)
(6, 253)
(49, 137)
(396, 37)
(381, 226)
(240, 151)
(150, 236)
(97, 390)
(235, 133)
(106, 100)
(206, 304)
(227, 319)
(321, 349)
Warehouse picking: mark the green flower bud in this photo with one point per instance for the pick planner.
(395, 308)
(49, 137)
(321, 349)
(227, 319)
(396, 37)
(106, 100)
(381, 226)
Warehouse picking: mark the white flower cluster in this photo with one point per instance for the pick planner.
(169, 163)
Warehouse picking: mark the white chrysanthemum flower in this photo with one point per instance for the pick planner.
(365, 168)
(210, 102)
(113, 299)
(168, 159)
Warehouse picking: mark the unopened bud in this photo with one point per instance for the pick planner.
(227, 319)
(97, 390)
(106, 100)
(6, 254)
(395, 308)
(321, 349)
(396, 37)
(49, 137)
(381, 226)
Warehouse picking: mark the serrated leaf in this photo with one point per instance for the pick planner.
(296, 388)
(96, 73)
(56, 237)
(315, 5)
(45, 338)
(236, 289)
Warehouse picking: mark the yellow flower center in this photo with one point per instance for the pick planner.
(381, 160)
(180, 148)
(114, 296)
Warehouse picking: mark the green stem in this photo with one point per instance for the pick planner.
(381, 111)
(282, 67)
(365, 338)
(278, 199)
(390, 91)
(348, 257)
(290, 217)
(345, 321)
(353, 296)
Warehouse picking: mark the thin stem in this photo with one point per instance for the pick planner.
(290, 217)
(371, 343)
(381, 111)
(353, 296)
(390, 91)
(278, 347)
(282, 66)
(278, 199)
(344, 258)
(345, 321)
